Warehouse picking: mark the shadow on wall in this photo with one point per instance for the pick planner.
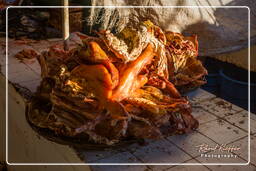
(228, 33)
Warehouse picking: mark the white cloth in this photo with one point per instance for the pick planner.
(219, 30)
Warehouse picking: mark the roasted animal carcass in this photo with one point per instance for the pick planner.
(115, 87)
(187, 72)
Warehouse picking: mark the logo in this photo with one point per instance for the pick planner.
(220, 150)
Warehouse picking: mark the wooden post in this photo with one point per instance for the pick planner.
(65, 25)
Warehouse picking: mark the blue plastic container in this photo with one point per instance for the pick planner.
(212, 84)
(236, 91)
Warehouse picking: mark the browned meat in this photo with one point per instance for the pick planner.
(109, 95)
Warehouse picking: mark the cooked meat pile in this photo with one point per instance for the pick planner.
(115, 87)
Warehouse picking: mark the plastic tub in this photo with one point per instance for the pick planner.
(212, 84)
(236, 91)
(212, 66)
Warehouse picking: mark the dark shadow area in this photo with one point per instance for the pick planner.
(230, 83)
(43, 23)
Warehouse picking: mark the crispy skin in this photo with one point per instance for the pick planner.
(130, 74)
(110, 96)
(164, 84)
(185, 70)
(98, 78)
(183, 121)
(171, 89)
(160, 110)
(100, 83)
(143, 130)
(153, 100)
(192, 72)
(93, 53)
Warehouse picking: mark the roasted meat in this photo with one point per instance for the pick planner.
(116, 87)
(187, 72)
(130, 79)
